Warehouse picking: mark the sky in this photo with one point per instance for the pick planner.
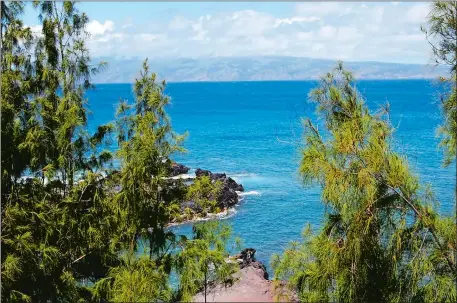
(351, 31)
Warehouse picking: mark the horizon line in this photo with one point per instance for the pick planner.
(142, 58)
(277, 80)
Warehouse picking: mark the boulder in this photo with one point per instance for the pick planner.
(218, 176)
(178, 169)
(233, 185)
(227, 198)
(248, 259)
(201, 172)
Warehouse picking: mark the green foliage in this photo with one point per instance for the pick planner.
(441, 32)
(16, 85)
(54, 229)
(64, 221)
(203, 259)
(381, 240)
(57, 131)
(146, 142)
(204, 193)
(135, 280)
(70, 223)
(448, 130)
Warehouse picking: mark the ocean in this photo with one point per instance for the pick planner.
(252, 132)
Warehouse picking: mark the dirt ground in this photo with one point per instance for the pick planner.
(250, 286)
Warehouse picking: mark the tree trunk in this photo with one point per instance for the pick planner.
(205, 285)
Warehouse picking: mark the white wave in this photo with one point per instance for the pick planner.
(223, 215)
(182, 176)
(248, 193)
(240, 175)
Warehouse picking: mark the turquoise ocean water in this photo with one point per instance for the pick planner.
(252, 132)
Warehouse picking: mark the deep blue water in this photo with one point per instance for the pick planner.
(251, 131)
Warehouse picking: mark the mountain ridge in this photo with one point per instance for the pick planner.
(257, 69)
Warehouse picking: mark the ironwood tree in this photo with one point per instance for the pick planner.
(74, 221)
(381, 239)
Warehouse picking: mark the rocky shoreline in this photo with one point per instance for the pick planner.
(251, 284)
(226, 200)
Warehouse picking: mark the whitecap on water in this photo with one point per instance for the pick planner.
(248, 193)
(183, 176)
(242, 175)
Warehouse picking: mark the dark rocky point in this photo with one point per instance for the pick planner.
(178, 169)
(248, 259)
(228, 196)
(201, 172)
(232, 184)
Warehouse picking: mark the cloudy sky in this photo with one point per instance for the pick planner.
(385, 31)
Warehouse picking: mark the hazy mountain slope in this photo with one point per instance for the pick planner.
(256, 68)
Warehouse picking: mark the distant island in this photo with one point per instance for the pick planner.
(256, 69)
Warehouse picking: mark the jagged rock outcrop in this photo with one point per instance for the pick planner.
(201, 172)
(232, 184)
(227, 181)
(178, 169)
(228, 196)
(247, 258)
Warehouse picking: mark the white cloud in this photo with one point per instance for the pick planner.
(289, 21)
(248, 23)
(96, 28)
(36, 30)
(323, 8)
(305, 36)
(150, 37)
(128, 22)
(346, 33)
(378, 14)
(179, 23)
(409, 37)
(332, 30)
(418, 12)
(327, 32)
(200, 32)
